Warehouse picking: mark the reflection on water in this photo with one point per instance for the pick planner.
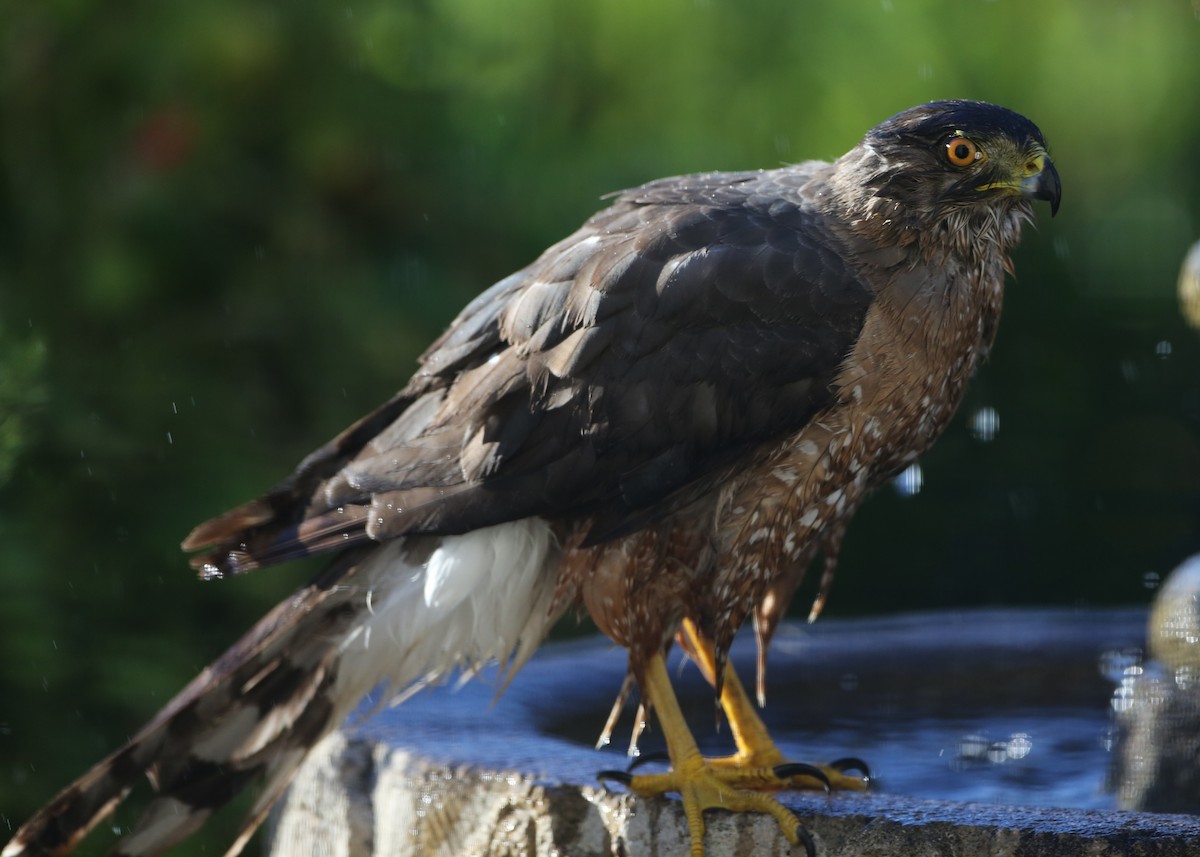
(988, 706)
(1034, 757)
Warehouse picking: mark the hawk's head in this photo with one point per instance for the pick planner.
(951, 158)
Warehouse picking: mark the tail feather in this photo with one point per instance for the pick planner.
(397, 614)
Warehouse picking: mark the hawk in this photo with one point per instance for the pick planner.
(663, 420)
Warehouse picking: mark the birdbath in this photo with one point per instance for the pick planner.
(988, 733)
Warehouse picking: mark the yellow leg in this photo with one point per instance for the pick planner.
(693, 778)
(757, 756)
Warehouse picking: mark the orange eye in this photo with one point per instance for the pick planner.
(962, 151)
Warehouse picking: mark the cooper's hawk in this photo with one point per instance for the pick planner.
(665, 419)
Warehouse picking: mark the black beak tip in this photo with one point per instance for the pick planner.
(1050, 188)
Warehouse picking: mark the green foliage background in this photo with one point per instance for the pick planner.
(227, 229)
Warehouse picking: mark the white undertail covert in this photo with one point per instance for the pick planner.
(436, 604)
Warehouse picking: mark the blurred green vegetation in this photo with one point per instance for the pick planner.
(227, 229)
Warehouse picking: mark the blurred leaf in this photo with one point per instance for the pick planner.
(22, 394)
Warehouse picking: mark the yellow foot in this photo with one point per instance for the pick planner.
(758, 760)
(701, 786)
(737, 783)
(769, 771)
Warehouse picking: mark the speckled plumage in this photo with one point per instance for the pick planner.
(669, 414)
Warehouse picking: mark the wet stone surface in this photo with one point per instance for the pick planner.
(989, 732)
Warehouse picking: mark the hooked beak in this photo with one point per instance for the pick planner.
(1043, 183)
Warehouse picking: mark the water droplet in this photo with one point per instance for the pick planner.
(1122, 699)
(1020, 745)
(1115, 663)
(984, 424)
(910, 481)
(972, 747)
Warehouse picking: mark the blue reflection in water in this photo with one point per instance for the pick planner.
(1039, 757)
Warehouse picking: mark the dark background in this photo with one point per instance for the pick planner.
(227, 229)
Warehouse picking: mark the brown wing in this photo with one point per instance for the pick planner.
(613, 378)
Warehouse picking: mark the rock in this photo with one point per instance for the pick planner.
(1173, 631)
(1189, 287)
(1158, 757)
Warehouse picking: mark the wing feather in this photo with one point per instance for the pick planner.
(619, 375)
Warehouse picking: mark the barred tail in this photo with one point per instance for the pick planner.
(396, 615)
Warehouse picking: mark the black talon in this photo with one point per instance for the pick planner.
(621, 777)
(810, 846)
(852, 763)
(794, 769)
(647, 758)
